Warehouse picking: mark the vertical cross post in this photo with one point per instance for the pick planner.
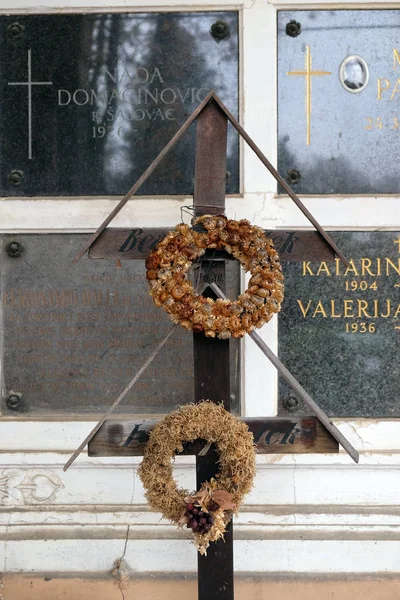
(211, 356)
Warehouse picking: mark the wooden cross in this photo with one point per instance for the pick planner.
(211, 356)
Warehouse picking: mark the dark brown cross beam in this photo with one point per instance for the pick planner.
(137, 242)
(275, 435)
(211, 356)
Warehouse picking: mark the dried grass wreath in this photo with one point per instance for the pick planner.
(168, 265)
(208, 511)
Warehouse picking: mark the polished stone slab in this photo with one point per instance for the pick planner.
(339, 328)
(338, 100)
(74, 336)
(89, 100)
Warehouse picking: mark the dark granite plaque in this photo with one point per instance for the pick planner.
(73, 337)
(88, 101)
(339, 100)
(339, 330)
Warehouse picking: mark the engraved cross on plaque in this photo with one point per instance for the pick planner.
(307, 73)
(30, 83)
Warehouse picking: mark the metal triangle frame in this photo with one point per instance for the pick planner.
(212, 96)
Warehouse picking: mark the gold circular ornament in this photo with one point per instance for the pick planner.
(207, 511)
(169, 263)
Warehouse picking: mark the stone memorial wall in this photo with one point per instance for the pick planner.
(74, 336)
(89, 100)
(338, 99)
(339, 329)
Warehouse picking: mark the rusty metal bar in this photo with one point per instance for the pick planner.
(300, 391)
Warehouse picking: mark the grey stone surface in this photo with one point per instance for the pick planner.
(107, 92)
(339, 329)
(74, 336)
(354, 133)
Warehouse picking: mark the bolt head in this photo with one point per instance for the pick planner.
(14, 249)
(15, 31)
(220, 30)
(293, 176)
(15, 177)
(293, 28)
(291, 403)
(13, 401)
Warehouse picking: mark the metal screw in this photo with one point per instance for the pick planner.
(293, 28)
(291, 402)
(13, 401)
(15, 178)
(220, 30)
(293, 176)
(15, 31)
(14, 249)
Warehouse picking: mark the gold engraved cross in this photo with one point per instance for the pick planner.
(307, 73)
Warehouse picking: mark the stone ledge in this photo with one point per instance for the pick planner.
(52, 587)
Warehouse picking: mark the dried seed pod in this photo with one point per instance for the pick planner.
(164, 273)
(247, 321)
(221, 221)
(236, 309)
(235, 323)
(238, 333)
(252, 289)
(151, 274)
(224, 335)
(263, 292)
(209, 222)
(259, 302)
(256, 279)
(152, 261)
(178, 292)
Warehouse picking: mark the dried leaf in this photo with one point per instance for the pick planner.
(224, 499)
(197, 497)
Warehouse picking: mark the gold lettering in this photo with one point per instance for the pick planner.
(362, 309)
(365, 267)
(395, 90)
(337, 266)
(376, 306)
(333, 315)
(351, 268)
(382, 89)
(396, 57)
(306, 268)
(348, 305)
(323, 267)
(391, 263)
(304, 310)
(378, 266)
(319, 310)
(397, 311)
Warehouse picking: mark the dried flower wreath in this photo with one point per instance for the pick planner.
(208, 511)
(168, 265)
